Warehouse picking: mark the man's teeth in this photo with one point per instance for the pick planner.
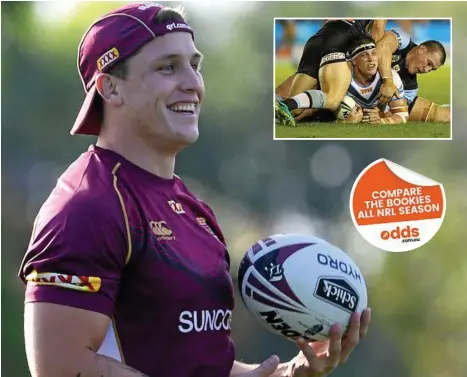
(186, 107)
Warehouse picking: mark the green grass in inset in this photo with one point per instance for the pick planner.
(360, 131)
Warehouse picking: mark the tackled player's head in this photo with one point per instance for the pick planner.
(426, 57)
(362, 53)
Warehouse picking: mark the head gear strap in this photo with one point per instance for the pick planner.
(362, 48)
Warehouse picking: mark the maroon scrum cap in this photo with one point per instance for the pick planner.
(110, 40)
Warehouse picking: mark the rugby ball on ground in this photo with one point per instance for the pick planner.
(347, 105)
(300, 285)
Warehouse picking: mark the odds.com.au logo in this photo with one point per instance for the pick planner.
(407, 234)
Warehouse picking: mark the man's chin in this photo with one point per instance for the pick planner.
(187, 136)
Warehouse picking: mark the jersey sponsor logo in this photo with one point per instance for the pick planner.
(339, 56)
(79, 283)
(366, 90)
(162, 231)
(202, 222)
(204, 320)
(176, 207)
(396, 68)
(107, 58)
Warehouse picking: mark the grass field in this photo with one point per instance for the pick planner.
(434, 86)
(333, 130)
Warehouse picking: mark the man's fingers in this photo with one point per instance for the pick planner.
(365, 322)
(267, 367)
(384, 99)
(305, 113)
(335, 346)
(306, 349)
(352, 337)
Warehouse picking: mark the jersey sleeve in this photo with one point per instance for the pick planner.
(400, 86)
(410, 95)
(403, 38)
(76, 255)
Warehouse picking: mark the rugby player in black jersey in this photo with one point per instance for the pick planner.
(397, 51)
(323, 75)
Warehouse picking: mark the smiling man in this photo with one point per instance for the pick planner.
(127, 272)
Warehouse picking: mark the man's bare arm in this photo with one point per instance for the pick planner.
(377, 29)
(385, 47)
(62, 341)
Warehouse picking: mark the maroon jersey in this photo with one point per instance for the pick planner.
(115, 239)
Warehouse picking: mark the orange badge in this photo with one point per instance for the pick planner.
(396, 209)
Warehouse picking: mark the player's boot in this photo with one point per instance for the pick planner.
(283, 115)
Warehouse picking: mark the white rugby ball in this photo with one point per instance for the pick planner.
(347, 105)
(300, 285)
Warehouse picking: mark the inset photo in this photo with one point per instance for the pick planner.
(362, 79)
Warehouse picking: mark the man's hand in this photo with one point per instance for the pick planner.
(300, 114)
(371, 116)
(318, 359)
(355, 116)
(387, 91)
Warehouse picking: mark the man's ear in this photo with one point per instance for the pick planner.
(422, 49)
(108, 88)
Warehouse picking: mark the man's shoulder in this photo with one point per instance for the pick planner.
(182, 187)
(86, 188)
(404, 39)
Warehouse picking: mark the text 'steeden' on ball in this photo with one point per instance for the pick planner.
(396, 209)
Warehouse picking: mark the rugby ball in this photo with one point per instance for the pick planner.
(347, 105)
(300, 285)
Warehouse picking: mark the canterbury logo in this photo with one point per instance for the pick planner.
(160, 229)
(107, 58)
(176, 207)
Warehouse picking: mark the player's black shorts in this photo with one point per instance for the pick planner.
(328, 45)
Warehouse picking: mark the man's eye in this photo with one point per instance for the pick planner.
(167, 68)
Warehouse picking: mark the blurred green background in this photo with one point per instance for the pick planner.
(256, 186)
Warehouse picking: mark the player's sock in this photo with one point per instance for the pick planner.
(317, 98)
(291, 103)
(300, 101)
(314, 99)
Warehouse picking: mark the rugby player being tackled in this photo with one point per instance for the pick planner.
(323, 75)
(365, 85)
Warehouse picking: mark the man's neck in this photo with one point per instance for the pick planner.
(363, 79)
(141, 154)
